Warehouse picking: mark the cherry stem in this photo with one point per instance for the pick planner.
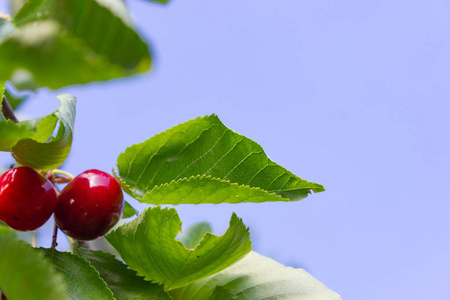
(33, 239)
(61, 172)
(55, 227)
(55, 234)
(74, 245)
(8, 111)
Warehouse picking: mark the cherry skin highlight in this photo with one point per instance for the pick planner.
(27, 199)
(89, 206)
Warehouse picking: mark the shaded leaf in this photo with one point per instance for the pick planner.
(82, 280)
(123, 282)
(204, 152)
(193, 234)
(30, 141)
(62, 42)
(148, 246)
(129, 211)
(24, 274)
(257, 277)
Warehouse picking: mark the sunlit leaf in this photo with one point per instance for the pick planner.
(148, 246)
(202, 161)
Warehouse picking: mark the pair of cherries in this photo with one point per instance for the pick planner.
(87, 208)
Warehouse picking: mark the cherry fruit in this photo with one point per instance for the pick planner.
(89, 206)
(27, 199)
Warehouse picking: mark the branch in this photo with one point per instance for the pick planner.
(7, 111)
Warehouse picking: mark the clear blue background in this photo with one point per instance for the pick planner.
(350, 94)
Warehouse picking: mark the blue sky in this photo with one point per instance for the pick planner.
(349, 94)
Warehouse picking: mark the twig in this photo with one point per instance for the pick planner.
(7, 111)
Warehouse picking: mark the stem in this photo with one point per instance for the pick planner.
(7, 111)
(58, 171)
(55, 227)
(33, 239)
(55, 233)
(74, 245)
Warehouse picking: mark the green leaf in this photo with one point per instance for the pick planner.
(24, 274)
(257, 277)
(83, 281)
(129, 211)
(123, 282)
(148, 246)
(205, 153)
(4, 228)
(30, 141)
(192, 236)
(56, 43)
(2, 91)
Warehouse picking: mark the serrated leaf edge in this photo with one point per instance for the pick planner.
(192, 178)
(203, 240)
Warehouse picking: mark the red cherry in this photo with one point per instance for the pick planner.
(27, 200)
(89, 206)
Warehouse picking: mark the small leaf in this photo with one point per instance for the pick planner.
(56, 43)
(30, 142)
(204, 152)
(257, 277)
(148, 246)
(129, 211)
(24, 274)
(123, 282)
(192, 236)
(83, 281)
